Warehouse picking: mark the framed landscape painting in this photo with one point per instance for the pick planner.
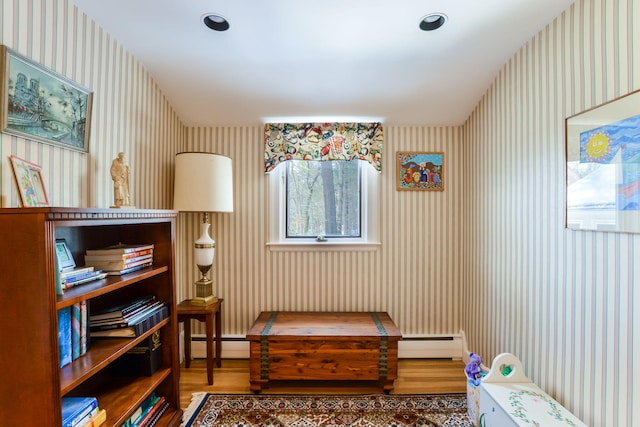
(603, 167)
(419, 170)
(39, 104)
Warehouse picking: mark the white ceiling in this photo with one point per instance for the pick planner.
(316, 60)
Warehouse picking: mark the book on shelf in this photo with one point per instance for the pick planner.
(119, 257)
(128, 320)
(97, 419)
(59, 290)
(129, 270)
(78, 271)
(84, 327)
(90, 277)
(156, 416)
(159, 414)
(75, 409)
(147, 419)
(122, 264)
(136, 329)
(79, 328)
(147, 312)
(73, 326)
(119, 312)
(84, 420)
(79, 275)
(120, 248)
(143, 313)
(124, 319)
(75, 331)
(64, 335)
(141, 411)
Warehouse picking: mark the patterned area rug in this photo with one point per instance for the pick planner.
(209, 410)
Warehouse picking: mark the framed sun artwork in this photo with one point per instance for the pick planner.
(603, 167)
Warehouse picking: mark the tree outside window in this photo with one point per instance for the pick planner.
(323, 199)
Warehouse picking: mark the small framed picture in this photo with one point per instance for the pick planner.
(419, 170)
(29, 181)
(64, 255)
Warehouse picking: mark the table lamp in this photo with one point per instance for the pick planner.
(203, 183)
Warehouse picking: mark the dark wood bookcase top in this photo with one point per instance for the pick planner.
(33, 383)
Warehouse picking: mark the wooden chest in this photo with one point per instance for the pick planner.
(323, 346)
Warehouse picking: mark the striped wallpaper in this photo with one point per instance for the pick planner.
(415, 275)
(130, 113)
(489, 255)
(562, 300)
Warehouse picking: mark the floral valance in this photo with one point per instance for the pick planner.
(322, 141)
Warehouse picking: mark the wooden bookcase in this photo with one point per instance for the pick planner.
(31, 380)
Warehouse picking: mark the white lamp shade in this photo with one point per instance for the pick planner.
(203, 183)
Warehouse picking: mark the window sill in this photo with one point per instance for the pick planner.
(324, 247)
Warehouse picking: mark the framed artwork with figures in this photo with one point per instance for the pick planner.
(420, 171)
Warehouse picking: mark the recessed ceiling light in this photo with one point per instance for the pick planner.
(216, 22)
(432, 21)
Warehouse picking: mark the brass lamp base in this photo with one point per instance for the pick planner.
(204, 293)
(204, 300)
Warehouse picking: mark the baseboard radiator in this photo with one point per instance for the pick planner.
(416, 347)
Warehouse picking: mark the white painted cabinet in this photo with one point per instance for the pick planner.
(509, 398)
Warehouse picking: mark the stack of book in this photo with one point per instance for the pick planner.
(82, 412)
(120, 259)
(129, 320)
(77, 276)
(67, 274)
(147, 414)
(73, 338)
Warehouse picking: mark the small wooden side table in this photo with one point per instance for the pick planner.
(187, 311)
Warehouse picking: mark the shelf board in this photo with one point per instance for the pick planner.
(125, 394)
(101, 353)
(108, 284)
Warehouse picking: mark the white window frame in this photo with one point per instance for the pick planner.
(369, 221)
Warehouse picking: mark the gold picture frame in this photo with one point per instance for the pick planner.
(29, 181)
(41, 105)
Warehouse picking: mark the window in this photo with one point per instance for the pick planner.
(323, 199)
(324, 204)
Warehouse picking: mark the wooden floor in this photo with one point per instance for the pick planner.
(415, 376)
